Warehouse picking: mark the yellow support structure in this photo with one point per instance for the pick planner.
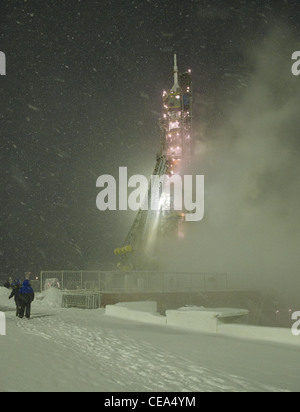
(123, 250)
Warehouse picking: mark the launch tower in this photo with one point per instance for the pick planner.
(151, 226)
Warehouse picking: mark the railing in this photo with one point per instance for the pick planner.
(140, 281)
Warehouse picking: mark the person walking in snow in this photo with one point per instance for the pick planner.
(26, 297)
(16, 285)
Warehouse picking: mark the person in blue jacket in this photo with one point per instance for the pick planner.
(26, 297)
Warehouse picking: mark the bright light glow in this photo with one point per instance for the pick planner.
(165, 202)
(174, 125)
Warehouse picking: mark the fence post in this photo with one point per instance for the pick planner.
(41, 277)
(62, 280)
(81, 279)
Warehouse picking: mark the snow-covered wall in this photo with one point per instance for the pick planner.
(202, 320)
(193, 320)
(137, 311)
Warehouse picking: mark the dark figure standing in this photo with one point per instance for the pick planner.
(16, 285)
(7, 284)
(26, 297)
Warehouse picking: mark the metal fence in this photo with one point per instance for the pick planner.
(81, 299)
(133, 281)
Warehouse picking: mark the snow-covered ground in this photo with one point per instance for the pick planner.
(80, 350)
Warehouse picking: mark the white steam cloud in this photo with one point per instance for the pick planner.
(251, 228)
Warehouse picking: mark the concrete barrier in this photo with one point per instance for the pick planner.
(202, 319)
(193, 320)
(137, 311)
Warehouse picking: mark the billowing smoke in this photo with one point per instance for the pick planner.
(251, 228)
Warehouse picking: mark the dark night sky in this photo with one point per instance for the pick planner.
(82, 96)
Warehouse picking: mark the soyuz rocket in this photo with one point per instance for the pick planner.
(176, 122)
(175, 155)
